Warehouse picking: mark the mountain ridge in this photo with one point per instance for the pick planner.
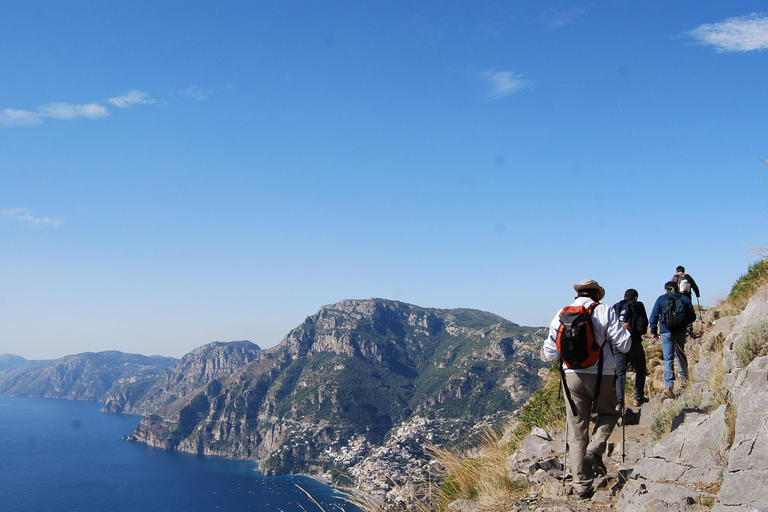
(354, 368)
(85, 376)
(351, 374)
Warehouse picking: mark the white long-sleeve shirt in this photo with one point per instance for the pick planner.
(605, 326)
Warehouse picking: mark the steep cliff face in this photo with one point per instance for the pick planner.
(137, 394)
(87, 376)
(356, 368)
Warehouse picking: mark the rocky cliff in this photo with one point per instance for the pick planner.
(87, 376)
(137, 394)
(354, 370)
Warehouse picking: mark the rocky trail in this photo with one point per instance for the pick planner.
(715, 457)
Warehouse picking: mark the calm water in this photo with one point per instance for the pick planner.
(60, 455)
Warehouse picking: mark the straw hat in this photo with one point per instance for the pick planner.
(590, 284)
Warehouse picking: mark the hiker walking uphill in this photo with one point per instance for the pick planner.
(633, 317)
(685, 283)
(584, 336)
(672, 312)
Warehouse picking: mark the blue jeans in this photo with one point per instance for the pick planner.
(673, 347)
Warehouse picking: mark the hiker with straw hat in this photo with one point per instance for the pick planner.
(590, 385)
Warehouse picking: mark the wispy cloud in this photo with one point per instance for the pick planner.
(558, 18)
(741, 34)
(11, 117)
(69, 111)
(195, 92)
(131, 98)
(503, 83)
(24, 216)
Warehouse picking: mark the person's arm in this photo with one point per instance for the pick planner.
(616, 334)
(550, 344)
(654, 320)
(690, 313)
(624, 312)
(694, 286)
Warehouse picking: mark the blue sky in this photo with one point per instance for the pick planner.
(175, 173)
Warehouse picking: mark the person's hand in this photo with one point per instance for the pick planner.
(625, 325)
(655, 337)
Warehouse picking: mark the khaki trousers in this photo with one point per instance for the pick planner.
(582, 389)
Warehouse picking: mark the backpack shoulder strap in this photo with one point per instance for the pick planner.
(567, 391)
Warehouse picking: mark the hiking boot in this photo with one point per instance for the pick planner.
(596, 462)
(631, 417)
(668, 393)
(640, 401)
(585, 495)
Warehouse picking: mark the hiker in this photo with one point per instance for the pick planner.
(672, 312)
(582, 383)
(686, 285)
(632, 316)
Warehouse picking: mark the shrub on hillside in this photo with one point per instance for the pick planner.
(752, 343)
(748, 284)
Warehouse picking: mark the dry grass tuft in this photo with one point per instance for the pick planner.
(483, 478)
(748, 284)
(662, 422)
(752, 343)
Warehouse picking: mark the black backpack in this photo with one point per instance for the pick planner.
(639, 324)
(673, 314)
(627, 311)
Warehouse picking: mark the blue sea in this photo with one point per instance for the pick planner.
(61, 455)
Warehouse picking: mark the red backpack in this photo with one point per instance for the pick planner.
(575, 340)
(577, 346)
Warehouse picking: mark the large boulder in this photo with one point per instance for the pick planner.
(744, 484)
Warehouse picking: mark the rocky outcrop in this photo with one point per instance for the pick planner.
(744, 482)
(755, 312)
(716, 456)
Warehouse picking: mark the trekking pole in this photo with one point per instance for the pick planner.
(699, 303)
(623, 431)
(565, 448)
